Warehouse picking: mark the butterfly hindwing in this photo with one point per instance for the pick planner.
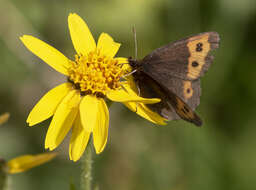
(187, 59)
(183, 110)
(149, 88)
(171, 106)
(188, 91)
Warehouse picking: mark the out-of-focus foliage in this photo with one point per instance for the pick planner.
(139, 155)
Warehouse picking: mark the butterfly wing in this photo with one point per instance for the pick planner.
(186, 59)
(171, 107)
(188, 91)
(149, 88)
(173, 73)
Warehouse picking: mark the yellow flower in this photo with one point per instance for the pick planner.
(26, 162)
(94, 75)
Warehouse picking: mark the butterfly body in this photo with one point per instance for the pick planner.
(172, 73)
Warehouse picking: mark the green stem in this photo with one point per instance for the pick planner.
(86, 176)
(3, 176)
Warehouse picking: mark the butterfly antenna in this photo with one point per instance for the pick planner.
(135, 42)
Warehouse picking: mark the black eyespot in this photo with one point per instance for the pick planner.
(188, 90)
(199, 44)
(199, 47)
(195, 64)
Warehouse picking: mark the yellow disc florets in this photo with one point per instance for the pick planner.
(95, 73)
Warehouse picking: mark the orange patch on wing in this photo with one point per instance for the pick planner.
(187, 90)
(183, 110)
(198, 48)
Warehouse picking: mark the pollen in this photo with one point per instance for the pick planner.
(95, 73)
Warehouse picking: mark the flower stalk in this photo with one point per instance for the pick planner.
(86, 175)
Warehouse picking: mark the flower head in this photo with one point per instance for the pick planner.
(79, 104)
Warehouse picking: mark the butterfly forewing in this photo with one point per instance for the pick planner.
(187, 59)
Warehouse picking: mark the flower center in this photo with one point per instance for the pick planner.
(95, 73)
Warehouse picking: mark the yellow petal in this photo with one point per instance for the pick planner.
(128, 95)
(146, 113)
(79, 140)
(124, 64)
(89, 108)
(26, 162)
(46, 107)
(4, 118)
(122, 60)
(107, 46)
(47, 53)
(81, 36)
(100, 131)
(130, 83)
(62, 120)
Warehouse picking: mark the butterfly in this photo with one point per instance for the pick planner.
(172, 73)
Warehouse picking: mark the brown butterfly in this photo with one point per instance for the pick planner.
(172, 73)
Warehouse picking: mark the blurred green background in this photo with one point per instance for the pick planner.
(139, 155)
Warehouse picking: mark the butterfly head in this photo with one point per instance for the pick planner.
(134, 63)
